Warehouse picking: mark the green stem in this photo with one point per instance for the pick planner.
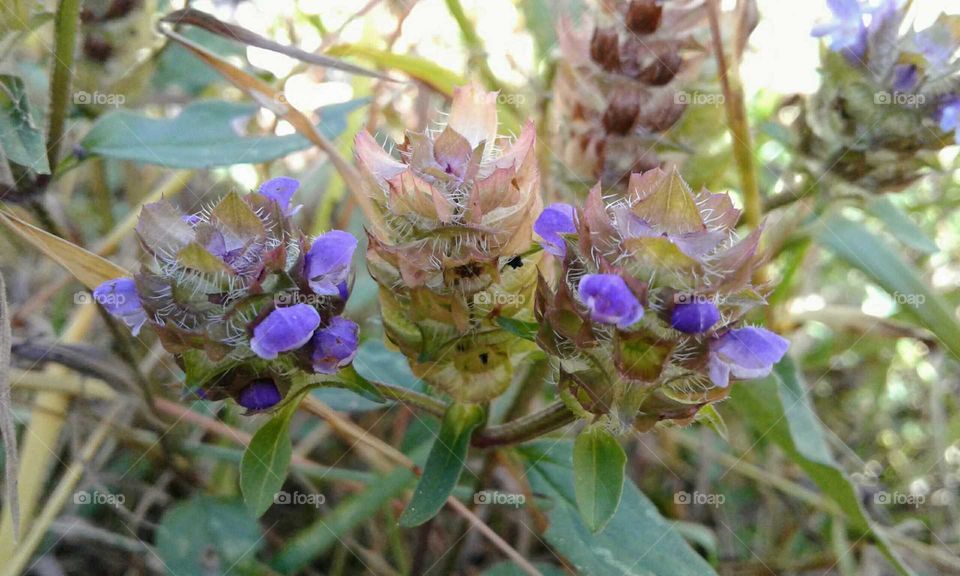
(528, 427)
(65, 27)
(412, 397)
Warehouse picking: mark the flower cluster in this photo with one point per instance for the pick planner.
(456, 213)
(645, 319)
(240, 295)
(617, 86)
(888, 102)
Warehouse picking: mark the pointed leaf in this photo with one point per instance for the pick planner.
(266, 461)
(91, 270)
(899, 225)
(598, 468)
(446, 460)
(20, 138)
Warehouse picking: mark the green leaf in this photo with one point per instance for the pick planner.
(598, 468)
(266, 461)
(780, 409)
(637, 540)
(520, 328)
(437, 77)
(862, 249)
(204, 532)
(317, 538)
(351, 380)
(446, 460)
(900, 226)
(20, 138)
(205, 134)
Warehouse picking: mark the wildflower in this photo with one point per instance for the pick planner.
(283, 330)
(335, 345)
(119, 297)
(609, 300)
(745, 353)
(694, 317)
(455, 213)
(222, 289)
(555, 220)
(847, 32)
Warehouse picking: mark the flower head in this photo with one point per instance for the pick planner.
(555, 220)
(335, 345)
(119, 297)
(610, 300)
(745, 353)
(283, 330)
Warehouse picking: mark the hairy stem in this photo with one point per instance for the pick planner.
(528, 427)
(67, 21)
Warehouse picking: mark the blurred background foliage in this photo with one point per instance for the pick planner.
(867, 286)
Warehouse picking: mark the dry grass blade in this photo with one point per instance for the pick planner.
(87, 267)
(213, 25)
(271, 99)
(7, 429)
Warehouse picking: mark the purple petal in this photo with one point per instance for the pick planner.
(259, 395)
(610, 300)
(694, 317)
(948, 114)
(749, 352)
(905, 77)
(555, 220)
(328, 262)
(719, 372)
(335, 345)
(281, 191)
(845, 9)
(119, 297)
(283, 330)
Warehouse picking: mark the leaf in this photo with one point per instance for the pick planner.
(446, 460)
(637, 540)
(206, 133)
(266, 461)
(863, 250)
(205, 531)
(91, 270)
(327, 531)
(519, 328)
(20, 139)
(8, 430)
(598, 468)
(900, 226)
(709, 415)
(779, 408)
(437, 77)
(350, 379)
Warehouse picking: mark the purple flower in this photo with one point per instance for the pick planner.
(847, 32)
(610, 300)
(259, 395)
(937, 45)
(281, 191)
(694, 317)
(328, 263)
(335, 345)
(284, 329)
(556, 219)
(119, 297)
(948, 115)
(745, 353)
(905, 77)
